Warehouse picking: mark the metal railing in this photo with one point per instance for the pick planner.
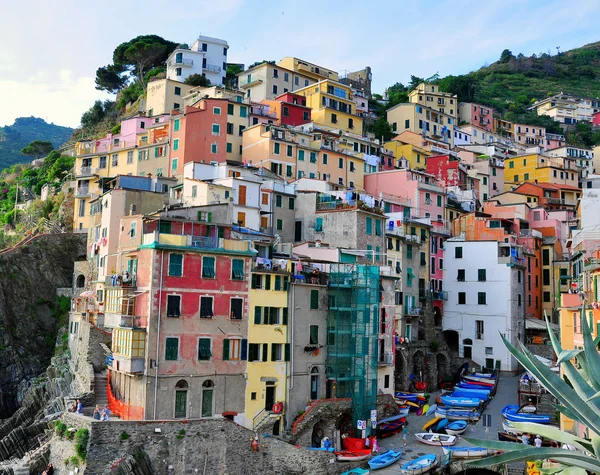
(181, 62)
(212, 67)
(208, 242)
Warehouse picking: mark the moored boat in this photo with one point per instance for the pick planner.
(431, 438)
(421, 465)
(467, 452)
(511, 412)
(352, 455)
(471, 385)
(458, 401)
(385, 460)
(457, 414)
(456, 427)
(357, 471)
(482, 394)
(390, 426)
(508, 437)
(321, 449)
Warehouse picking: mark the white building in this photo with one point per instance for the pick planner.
(207, 56)
(461, 137)
(485, 282)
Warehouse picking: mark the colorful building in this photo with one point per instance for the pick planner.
(538, 168)
(290, 109)
(481, 116)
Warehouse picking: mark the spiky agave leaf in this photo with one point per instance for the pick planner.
(554, 433)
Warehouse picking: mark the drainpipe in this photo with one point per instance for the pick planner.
(291, 330)
(162, 261)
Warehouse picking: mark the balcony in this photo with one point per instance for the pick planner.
(86, 172)
(120, 280)
(263, 112)
(212, 68)
(570, 300)
(250, 80)
(414, 311)
(441, 229)
(530, 233)
(181, 62)
(82, 192)
(386, 359)
(195, 242)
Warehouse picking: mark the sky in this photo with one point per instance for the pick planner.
(50, 49)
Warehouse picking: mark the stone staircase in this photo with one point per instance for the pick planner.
(101, 388)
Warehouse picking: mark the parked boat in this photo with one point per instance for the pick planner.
(390, 426)
(509, 428)
(484, 375)
(457, 401)
(385, 460)
(404, 410)
(511, 412)
(421, 465)
(431, 438)
(471, 385)
(352, 455)
(480, 378)
(466, 452)
(482, 394)
(357, 471)
(431, 410)
(457, 414)
(321, 449)
(506, 437)
(412, 397)
(456, 427)
(441, 425)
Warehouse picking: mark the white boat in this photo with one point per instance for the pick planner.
(510, 429)
(431, 438)
(421, 465)
(466, 452)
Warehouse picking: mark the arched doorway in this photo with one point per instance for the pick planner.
(314, 383)
(80, 281)
(181, 391)
(344, 424)
(437, 317)
(418, 366)
(451, 339)
(317, 435)
(442, 366)
(467, 348)
(208, 389)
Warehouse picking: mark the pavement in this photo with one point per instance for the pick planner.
(505, 394)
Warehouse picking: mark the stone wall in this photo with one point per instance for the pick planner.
(212, 446)
(545, 351)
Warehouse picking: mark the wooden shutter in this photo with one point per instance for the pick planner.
(244, 350)
(242, 197)
(265, 350)
(225, 349)
(273, 346)
(284, 320)
(287, 352)
(257, 315)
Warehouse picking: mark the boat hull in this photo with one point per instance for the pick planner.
(511, 414)
(385, 460)
(457, 414)
(456, 427)
(421, 465)
(352, 455)
(457, 401)
(431, 438)
(467, 452)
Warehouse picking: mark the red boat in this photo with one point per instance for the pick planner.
(352, 455)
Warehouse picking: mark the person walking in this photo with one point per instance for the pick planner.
(79, 407)
(538, 441)
(525, 438)
(404, 433)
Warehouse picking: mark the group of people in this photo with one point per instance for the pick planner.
(99, 415)
(526, 439)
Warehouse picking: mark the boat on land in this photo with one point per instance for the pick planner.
(455, 414)
(467, 452)
(508, 437)
(357, 471)
(456, 427)
(458, 401)
(482, 394)
(352, 455)
(431, 438)
(511, 413)
(421, 465)
(390, 426)
(385, 460)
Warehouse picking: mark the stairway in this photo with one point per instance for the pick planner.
(101, 388)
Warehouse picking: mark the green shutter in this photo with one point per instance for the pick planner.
(237, 269)
(257, 315)
(314, 299)
(156, 152)
(319, 224)
(314, 335)
(225, 349)
(277, 282)
(284, 319)
(273, 346)
(175, 264)
(286, 283)
(230, 109)
(208, 267)
(204, 352)
(378, 227)
(171, 349)
(287, 352)
(369, 224)
(265, 352)
(267, 282)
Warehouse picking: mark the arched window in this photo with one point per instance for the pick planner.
(467, 341)
(314, 383)
(467, 348)
(181, 399)
(208, 389)
(80, 283)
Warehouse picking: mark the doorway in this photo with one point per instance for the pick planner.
(298, 231)
(208, 389)
(314, 383)
(181, 399)
(269, 396)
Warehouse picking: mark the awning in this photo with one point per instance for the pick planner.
(535, 324)
(410, 274)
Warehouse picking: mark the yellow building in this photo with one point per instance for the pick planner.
(332, 106)
(413, 154)
(429, 112)
(538, 168)
(308, 69)
(268, 346)
(165, 95)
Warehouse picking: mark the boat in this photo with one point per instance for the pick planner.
(406, 402)
(511, 412)
(484, 395)
(357, 471)
(506, 437)
(470, 385)
(510, 429)
(412, 397)
(428, 424)
(404, 410)
(441, 425)
(457, 401)
(385, 460)
(457, 414)
(321, 449)
(352, 455)
(456, 427)
(431, 438)
(431, 410)
(421, 465)
(484, 375)
(480, 378)
(390, 426)
(467, 452)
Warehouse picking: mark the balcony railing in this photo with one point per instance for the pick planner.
(86, 171)
(212, 67)
(250, 79)
(82, 192)
(205, 242)
(181, 62)
(414, 311)
(530, 233)
(386, 359)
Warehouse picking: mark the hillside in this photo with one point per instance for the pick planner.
(26, 129)
(514, 82)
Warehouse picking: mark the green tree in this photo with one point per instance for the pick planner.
(144, 55)
(197, 80)
(506, 56)
(382, 129)
(110, 78)
(38, 149)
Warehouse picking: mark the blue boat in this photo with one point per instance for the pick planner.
(385, 460)
(357, 471)
(456, 427)
(457, 401)
(412, 397)
(467, 385)
(472, 393)
(421, 465)
(321, 449)
(457, 414)
(442, 424)
(511, 412)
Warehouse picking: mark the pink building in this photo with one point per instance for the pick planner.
(436, 271)
(476, 114)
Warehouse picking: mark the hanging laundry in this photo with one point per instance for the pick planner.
(299, 267)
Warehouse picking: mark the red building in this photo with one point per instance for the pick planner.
(199, 134)
(596, 118)
(290, 109)
(191, 303)
(448, 170)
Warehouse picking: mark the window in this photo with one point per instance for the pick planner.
(369, 225)
(546, 257)
(305, 115)
(214, 148)
(176, 105)
(177, 71)
(546, 277)
(432, 265)
(409, 251)
(350, 123)
(204, 352)
(481, 298)
(278, 201)
(206, 307)
(208, 267)
(341, 163)
(174, 164)
(334, 118)
(174, 306)
(194, 191)
(102, 162)
(175, 265)
(274, 88)
(177, 91)
(423, 260)
(216, 129)
(519, 300)
(479, 329)
(286, 111)
(276, 352)
(314, 300)
(325, 156)
(291, 203)
(313, 157)
(378, 227)
(462, 298)
(314, 335)
(461, 275)
(458, 252)
(441, 264)
(276, 148)
(546, 297)
(243, 111)
(481, 277)
(171, 348)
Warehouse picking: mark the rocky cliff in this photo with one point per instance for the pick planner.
(29, 310)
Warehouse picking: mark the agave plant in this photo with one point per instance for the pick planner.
(579, 399)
